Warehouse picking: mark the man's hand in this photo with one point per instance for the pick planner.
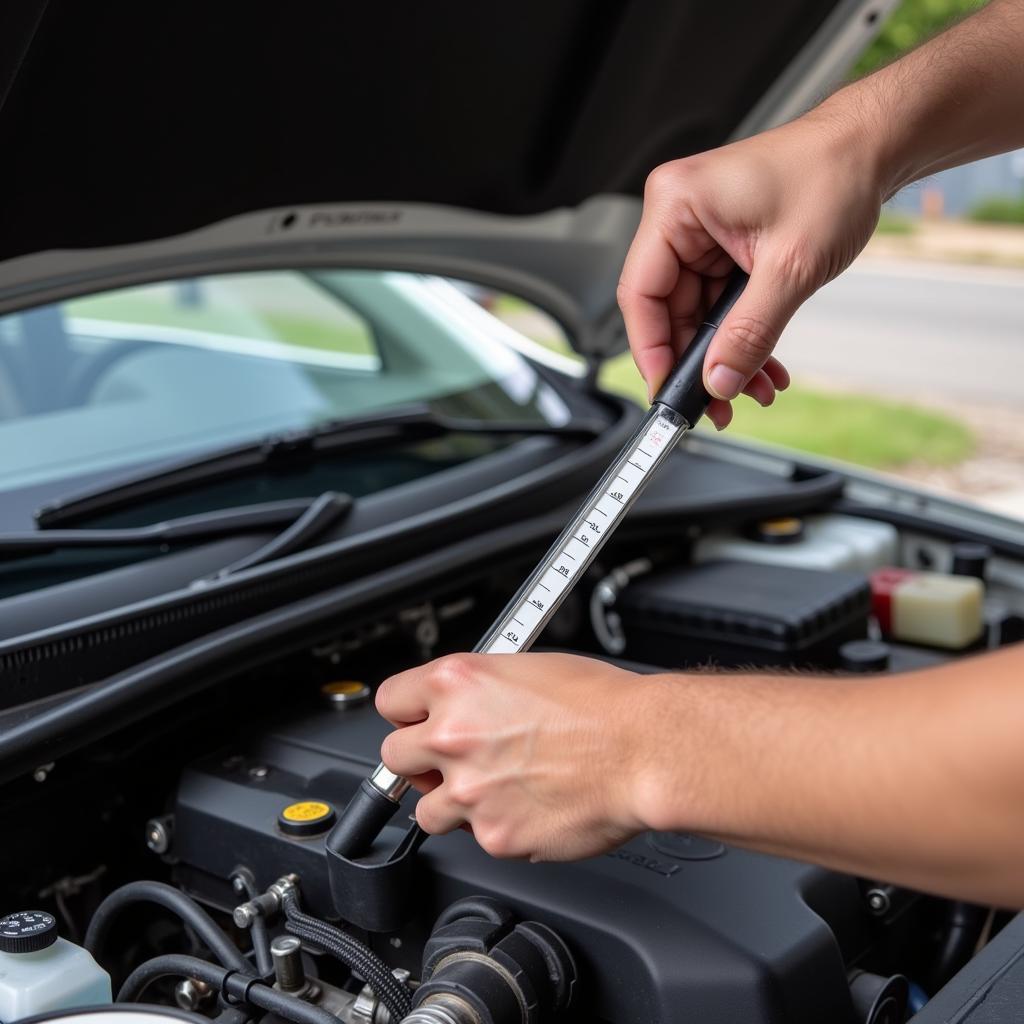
(792, 207)
(537, 753)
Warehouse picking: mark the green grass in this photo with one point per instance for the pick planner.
(890, 223)
(866, 431)
(999, 210)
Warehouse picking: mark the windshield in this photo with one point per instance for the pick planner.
(162, 371)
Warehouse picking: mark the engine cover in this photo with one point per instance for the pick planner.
(667, 928)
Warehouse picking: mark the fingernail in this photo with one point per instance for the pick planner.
(724, 382)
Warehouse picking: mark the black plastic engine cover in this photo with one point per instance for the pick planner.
(666, 929)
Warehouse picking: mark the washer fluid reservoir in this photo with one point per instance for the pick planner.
(40, 972)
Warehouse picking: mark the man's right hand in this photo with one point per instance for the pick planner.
(792, 207)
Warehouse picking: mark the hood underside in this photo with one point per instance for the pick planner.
(126, 121)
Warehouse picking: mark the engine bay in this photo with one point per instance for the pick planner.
(206, 881)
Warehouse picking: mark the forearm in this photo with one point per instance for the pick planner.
(915, 779)
(958, 98)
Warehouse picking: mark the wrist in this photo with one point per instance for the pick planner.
(854, 126)
(669, 766)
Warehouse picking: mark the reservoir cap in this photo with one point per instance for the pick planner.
(27, 931)
(784, 530)
(306, 818)
(864, 656)
(345, 693)
(970, 559)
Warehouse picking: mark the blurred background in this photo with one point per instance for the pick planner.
(911, 363)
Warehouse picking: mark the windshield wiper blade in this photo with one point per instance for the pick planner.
(409, 422)
(300, 520)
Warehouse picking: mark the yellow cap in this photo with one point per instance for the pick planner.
(345, 692)
(783, 530)
(307, 810)
(306, 818)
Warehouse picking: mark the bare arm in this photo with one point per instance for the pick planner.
(956, 99)
(795, 205)
(915, 779)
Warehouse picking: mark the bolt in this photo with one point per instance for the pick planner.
(879, 900)
(244, 915)
(286, 951)
(158, 834)
(190, 993)
(259, 772)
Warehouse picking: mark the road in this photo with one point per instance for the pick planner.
(933, 333)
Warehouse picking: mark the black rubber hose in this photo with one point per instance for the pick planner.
(353, 954)
(171, 899)
(242, 986)
(963, 928)
(232, 1015)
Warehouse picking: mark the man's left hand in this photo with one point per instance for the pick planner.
(536, 753)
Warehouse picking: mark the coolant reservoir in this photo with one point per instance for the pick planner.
(40, 972)
(829, 542)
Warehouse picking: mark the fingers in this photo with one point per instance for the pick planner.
(406, 752)
(750, 332)
(762, 387)
(403, 699)
(778, 373)
(649, 276)
(660, 289)
(436, 814)
(720, 413)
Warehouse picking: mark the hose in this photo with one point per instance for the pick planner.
(232, 1015)
(235, 985)
(963, 926)
(171, 899)
(243, 879)
(352, 953)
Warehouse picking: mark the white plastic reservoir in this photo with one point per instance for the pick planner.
(827, 542)
(41, 972)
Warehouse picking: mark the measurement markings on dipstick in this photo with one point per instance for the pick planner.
(578, 544)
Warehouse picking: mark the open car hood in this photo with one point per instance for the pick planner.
(437, 139)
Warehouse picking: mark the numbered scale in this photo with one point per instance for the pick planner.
(677, 407)
(577, 546)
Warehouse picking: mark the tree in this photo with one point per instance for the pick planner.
(911, 24)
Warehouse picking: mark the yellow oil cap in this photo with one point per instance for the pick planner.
(306, 818)
(345, 693)
(784, 530)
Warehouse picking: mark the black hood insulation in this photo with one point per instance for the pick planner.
(124, 121)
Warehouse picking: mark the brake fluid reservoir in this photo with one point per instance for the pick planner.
(41, 972)
(830, 542)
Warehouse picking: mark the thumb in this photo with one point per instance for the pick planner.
(750, 331)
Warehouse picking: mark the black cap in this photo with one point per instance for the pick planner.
(27, 931)
(864, 656)
(969, 559)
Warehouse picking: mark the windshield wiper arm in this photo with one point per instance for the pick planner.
(410, 422)
(300, 520)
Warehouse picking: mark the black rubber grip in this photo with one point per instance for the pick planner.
(684, 389)
(361, 821)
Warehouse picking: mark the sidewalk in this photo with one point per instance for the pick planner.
(953, 241)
